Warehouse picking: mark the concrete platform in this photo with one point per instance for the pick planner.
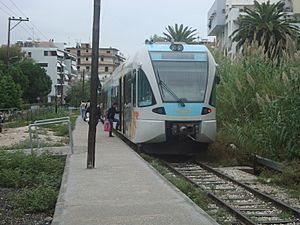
(122, 190)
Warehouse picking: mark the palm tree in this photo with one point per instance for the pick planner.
(181, 34)
(266, 25)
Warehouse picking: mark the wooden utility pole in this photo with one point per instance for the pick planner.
(20, 19)
(82, 89)
(94, 84)
(62, 78)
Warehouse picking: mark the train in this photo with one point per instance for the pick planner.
(166, 93)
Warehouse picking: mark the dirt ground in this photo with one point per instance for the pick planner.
(14, 136)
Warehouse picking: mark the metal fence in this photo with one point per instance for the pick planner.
(39, 123)
(33, 112)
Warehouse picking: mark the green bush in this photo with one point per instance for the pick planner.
(35, 177)
(259, 104)
(20, 170)
(40, 199)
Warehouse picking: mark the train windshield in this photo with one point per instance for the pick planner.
(182, 76)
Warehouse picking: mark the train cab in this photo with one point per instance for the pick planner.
(166, 92)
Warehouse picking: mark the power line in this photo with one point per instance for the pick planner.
(23, 14)
(14, 13)
(17, 8)
(5, 12)
(30, 34)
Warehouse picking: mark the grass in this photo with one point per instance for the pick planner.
(36, 179)
(289, 179)
(258, 104)
(26, 145)
(194, 193)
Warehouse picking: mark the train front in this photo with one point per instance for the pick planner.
(183, 84)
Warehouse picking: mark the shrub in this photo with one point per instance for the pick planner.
(259, 104)
(36, 179)
(38, 199)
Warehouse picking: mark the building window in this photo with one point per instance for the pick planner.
(78, 61)
(45, 53)
(43, 64)
(86, 50)
(86, 59)
(102, 59)
(78, 52)
(87, 68)
(106, 69)
(29, 54)
(107, 51)
(78, 68)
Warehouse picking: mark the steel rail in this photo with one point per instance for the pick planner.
(234, 211)
(277, 202)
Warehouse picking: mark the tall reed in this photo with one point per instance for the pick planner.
(259, 102)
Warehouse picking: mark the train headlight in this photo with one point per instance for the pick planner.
(206, 110)
(159, 110)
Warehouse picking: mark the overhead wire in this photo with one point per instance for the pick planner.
(5, 11)
(15, 15)
(23, 14)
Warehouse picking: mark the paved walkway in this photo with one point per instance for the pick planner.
(121, 190)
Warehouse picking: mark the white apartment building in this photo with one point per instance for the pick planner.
(109, 60)
(60, 65)
(223, 15)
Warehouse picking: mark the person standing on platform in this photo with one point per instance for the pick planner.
(111, 117)
(87, 111)
(82, 109)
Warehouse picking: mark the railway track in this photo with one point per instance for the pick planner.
(249, 206)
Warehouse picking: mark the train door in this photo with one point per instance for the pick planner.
(129, 102)
(121, 104)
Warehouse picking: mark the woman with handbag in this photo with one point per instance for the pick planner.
(111, 117)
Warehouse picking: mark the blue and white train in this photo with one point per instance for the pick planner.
(165, 93)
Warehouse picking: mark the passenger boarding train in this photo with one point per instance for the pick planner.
(166, 92)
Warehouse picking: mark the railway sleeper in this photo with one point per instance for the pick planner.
(254, 209)
(292, 222)
(261, 215)
(247, 203)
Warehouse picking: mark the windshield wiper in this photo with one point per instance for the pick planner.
(165, 86)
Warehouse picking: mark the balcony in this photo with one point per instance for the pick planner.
(216, 18)
(296, 7)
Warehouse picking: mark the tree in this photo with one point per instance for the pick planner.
(10, 92)
(180, 34)
(157, 38)
(15, 54)
(75, 95)
(266, 25)
(18, 76)
(39, 82)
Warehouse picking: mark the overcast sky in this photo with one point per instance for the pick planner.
(125, 24)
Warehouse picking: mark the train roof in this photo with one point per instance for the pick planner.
(154, 47)
(166, 47)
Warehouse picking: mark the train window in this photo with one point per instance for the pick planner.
(133, 88)
(145, 94)
(212, 100)
(130, 88)
(186, 79)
